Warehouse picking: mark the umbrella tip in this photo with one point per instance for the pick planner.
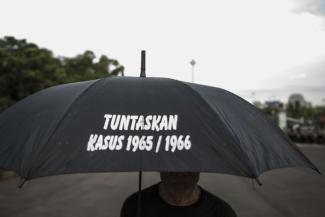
(258, 181)
(22, 182)
(143, 64)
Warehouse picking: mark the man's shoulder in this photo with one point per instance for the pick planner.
(145, 193)
(217, 202)
(129, 206)
(210, 196)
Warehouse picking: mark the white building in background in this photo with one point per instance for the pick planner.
(282, 117)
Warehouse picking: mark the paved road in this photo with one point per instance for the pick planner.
(293, 192)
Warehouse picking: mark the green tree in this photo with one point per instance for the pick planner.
(297, 111)
(26, 68)
(271, 113)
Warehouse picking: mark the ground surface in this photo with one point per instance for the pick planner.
(293, 192)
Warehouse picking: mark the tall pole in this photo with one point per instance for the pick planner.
(253, 97)
(193, 64)
(143, 75)
(139, 194)
(143, 64)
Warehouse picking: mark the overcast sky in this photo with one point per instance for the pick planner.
(238, 45)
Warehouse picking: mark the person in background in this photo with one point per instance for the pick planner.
(177, 195)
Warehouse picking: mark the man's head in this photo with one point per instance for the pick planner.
(180, 179)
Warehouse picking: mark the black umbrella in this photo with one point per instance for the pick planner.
(146, 124)
(141, 124)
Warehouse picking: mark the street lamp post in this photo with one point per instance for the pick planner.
(193, 64)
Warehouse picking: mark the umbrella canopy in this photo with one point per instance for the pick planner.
(140, 124)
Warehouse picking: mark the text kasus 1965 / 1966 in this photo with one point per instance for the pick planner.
(128, 124)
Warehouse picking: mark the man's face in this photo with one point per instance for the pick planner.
(180, 179)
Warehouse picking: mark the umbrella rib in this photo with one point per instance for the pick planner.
(64, 114)
(255, 175)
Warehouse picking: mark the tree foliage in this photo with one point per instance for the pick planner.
(271, 113)
(26, 68)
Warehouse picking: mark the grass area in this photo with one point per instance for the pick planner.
(4, 175)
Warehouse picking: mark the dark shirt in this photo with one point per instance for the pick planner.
(152, 205)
